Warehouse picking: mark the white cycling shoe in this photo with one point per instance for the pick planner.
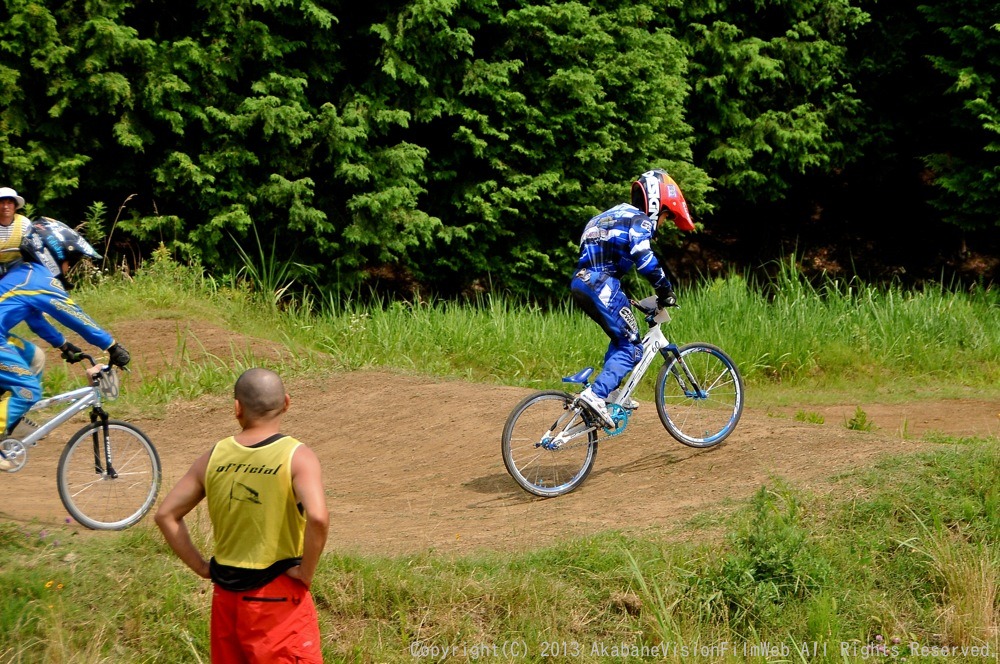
(596, 404)
(628, 404)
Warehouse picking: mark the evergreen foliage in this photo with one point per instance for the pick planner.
(462, 144)
(771, 100)
(966, 166)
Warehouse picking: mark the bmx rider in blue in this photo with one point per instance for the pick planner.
(27, 292)
(613, 243)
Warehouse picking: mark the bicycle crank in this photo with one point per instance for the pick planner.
(14, 454)
(620, 416)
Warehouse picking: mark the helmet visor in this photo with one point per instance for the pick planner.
(673, 202)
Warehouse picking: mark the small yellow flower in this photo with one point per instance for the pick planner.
(49, 584)
(59, 586)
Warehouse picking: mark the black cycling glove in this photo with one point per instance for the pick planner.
(71, 353)
(666, 298)
(118, 356)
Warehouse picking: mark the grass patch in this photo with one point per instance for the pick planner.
(795, 343)
(908, 561)
(809, 416)
(859, 421)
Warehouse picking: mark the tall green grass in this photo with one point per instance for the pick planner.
(791, 339)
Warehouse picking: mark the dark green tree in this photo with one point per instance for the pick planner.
(771, 98)
(966, 168)
(461, 144)
(541, 115)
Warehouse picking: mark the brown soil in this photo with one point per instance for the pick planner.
(413, 463)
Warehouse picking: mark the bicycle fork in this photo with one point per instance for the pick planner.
(102, 435)
(657, 343)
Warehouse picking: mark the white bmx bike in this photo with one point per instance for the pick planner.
(549, 442)
(109, 472)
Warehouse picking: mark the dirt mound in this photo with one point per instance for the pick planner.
(413, 463)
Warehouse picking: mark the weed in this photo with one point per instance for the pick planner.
(771, 562)
(809, 416)
(860, 421)
(268, 276)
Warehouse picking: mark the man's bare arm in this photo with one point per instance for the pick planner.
(307, 481)
(183, 498)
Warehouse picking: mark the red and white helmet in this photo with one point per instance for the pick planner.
(655, 192)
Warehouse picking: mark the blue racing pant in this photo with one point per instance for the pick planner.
(600, 296)
(20, 378)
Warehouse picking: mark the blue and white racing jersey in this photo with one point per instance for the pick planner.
(618, 239)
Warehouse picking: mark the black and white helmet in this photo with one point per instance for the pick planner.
(51, 243)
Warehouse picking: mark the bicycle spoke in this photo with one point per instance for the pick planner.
(703, 414)
(546, 459)
(102, 501)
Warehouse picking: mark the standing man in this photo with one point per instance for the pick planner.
(270, 523)
(14, 228)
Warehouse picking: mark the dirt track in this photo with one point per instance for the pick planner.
(413, 464)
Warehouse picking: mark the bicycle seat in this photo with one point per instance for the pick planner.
(580, 376)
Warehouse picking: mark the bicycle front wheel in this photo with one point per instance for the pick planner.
(105, 496)
(699, 396)
(548, 446)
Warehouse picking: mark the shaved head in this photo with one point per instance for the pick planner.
(261, 393)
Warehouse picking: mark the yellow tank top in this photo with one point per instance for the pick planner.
(255, 517)
(10, 240)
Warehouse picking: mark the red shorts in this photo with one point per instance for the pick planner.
(274, 623)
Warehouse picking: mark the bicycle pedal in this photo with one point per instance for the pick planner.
(13, 455)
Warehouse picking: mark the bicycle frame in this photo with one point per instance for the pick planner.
(79, 400)
(653, 344)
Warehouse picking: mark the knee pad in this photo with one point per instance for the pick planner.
(37, 362)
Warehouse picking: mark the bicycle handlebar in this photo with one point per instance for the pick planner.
(651, 309)
(105, 378)
(94, 363)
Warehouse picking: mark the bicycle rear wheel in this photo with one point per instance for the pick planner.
(699, 396)
(548, 446)
(109, 499)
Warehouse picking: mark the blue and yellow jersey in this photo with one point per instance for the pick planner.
(28, 291)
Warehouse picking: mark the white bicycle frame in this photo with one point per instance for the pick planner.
(104, 385)
(652, 343)
(79, 399)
